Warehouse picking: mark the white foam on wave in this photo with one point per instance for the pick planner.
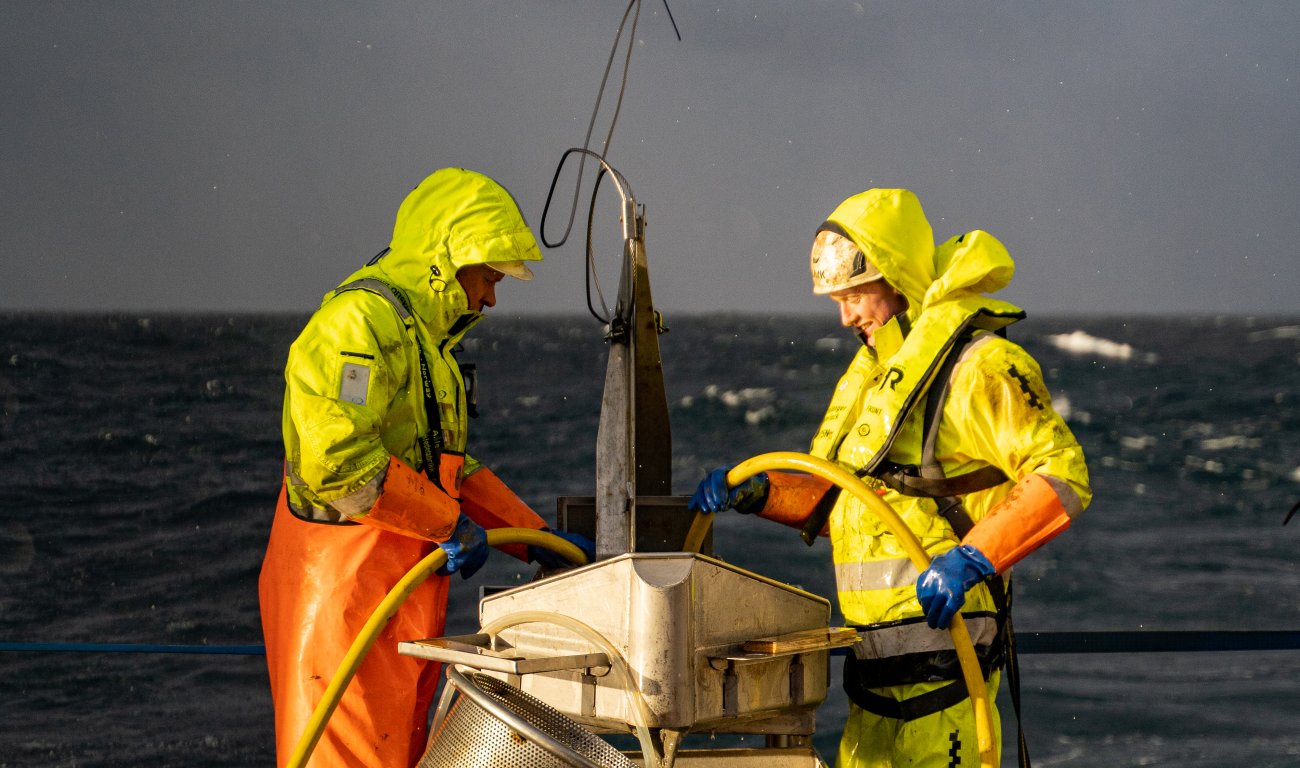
(1062, 405)
(738, 398)
(1204, 465)
(758, 402)
(1230, 442)
(1081, 343)
(1281, 332)
(1138, 442)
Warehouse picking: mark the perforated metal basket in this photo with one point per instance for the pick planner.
(495, 725)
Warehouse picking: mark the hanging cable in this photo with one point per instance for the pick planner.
(592, 273)
(673, 21)
(622, 84)
(633, 10)
(586, 139)
(628, 204)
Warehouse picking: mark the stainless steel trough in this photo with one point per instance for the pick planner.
(681, 623)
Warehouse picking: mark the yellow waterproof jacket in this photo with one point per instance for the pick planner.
(997, 413)
(353, 392)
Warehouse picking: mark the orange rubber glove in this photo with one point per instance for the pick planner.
(1029, 517)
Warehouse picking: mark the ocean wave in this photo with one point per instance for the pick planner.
(18, 548)
(122, 537)
(1081, 343)
(1138, 442)
(748, 397)
(1240, 442)
(1066, 408)
(758, 403)
(1281, 332)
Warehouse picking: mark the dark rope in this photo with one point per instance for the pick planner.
(1026, 642)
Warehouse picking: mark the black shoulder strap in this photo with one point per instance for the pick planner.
(928, 479)
(951, 509)
(934, 402)
(908, 481)
(431, 442)
(381, 289)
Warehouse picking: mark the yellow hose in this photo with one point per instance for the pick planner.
(826, 470)
(388, 606)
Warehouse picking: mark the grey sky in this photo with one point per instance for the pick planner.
(1134, 156)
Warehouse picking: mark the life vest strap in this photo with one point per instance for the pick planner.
(431, 442)
(383, 290)
(907, 710)
(910, 709)
(909, 481)
(921, 667)
(914, 708)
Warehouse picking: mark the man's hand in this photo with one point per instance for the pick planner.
(467, 549)
(713, 495)
(942, 587)
(551, 560)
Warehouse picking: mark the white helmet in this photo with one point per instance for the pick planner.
(838, 262)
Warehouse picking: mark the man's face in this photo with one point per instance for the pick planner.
(479, 281)
(867, 307)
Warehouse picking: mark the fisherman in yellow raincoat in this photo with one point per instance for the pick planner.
(376, 474)
(953, 426)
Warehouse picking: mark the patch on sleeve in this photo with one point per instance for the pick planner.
(355, 383)
(1030, 396)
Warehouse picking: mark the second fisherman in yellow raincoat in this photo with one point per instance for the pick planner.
(952, 423)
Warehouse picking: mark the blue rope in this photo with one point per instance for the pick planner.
(1026, 642)
(231, 650)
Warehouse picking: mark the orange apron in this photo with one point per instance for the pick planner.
(319, 584)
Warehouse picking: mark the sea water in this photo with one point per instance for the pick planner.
(140, 457)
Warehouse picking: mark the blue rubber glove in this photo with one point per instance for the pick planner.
(712, 495)
(942, 587)
(467, 549)
(548, 559)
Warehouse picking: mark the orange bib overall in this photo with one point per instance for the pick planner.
(319, 584)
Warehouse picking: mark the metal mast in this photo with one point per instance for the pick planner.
(634, 443)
